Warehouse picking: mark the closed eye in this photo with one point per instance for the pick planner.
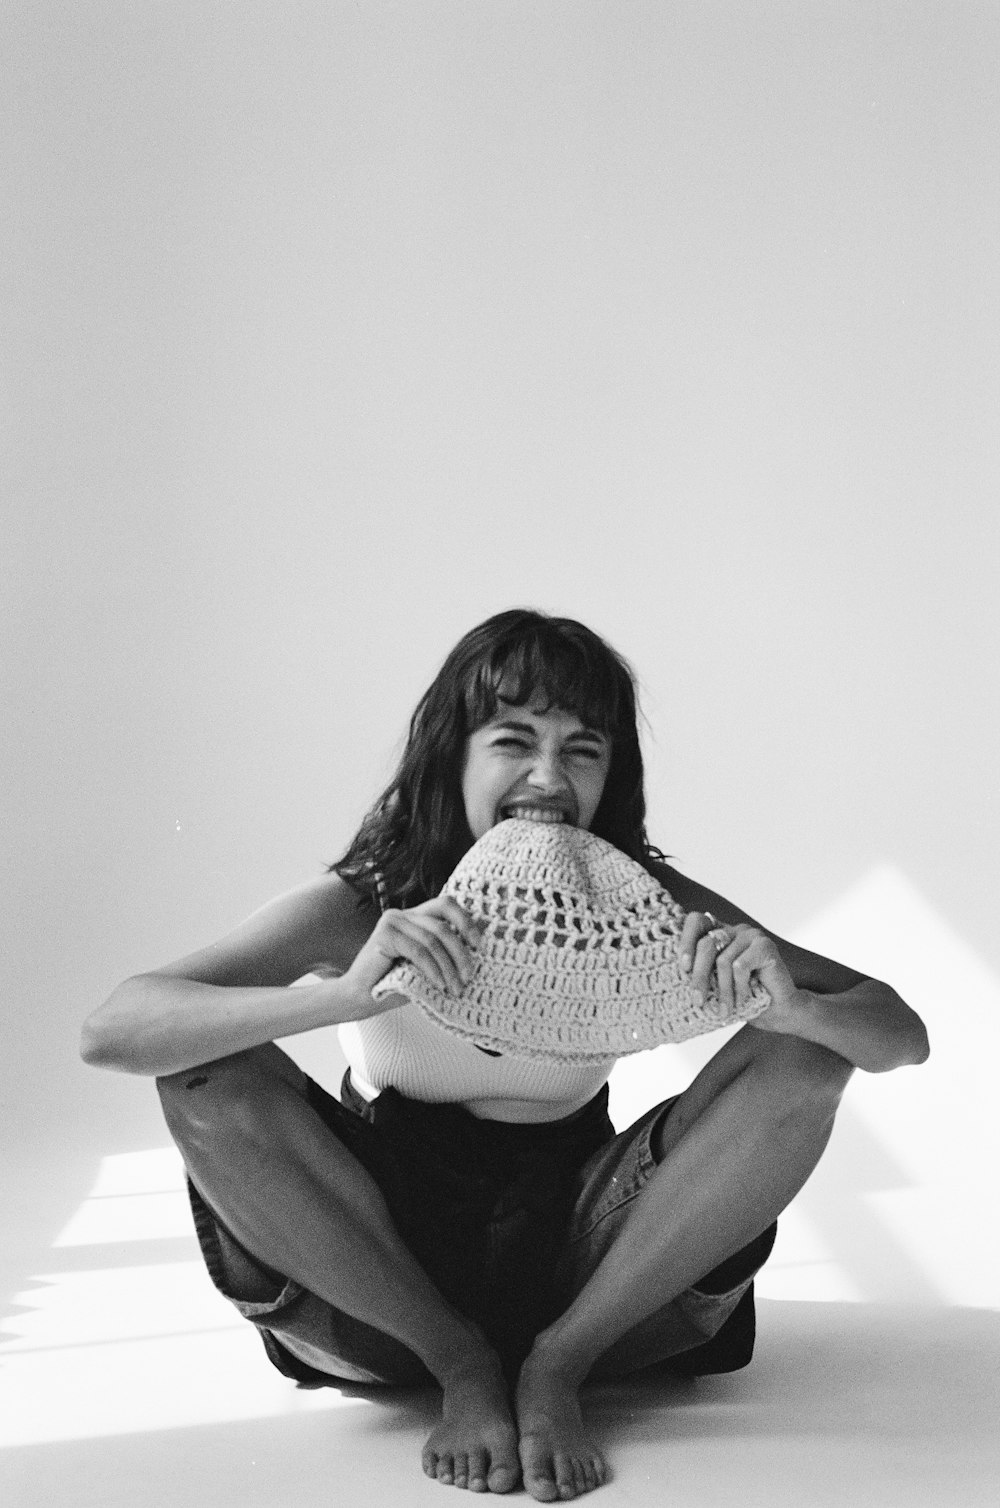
(577, 753)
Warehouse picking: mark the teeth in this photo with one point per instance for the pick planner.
(534, 814)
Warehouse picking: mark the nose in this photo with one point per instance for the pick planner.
(547, 774)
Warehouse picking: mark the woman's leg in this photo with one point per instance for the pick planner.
(734, 1151)
(297, 1199)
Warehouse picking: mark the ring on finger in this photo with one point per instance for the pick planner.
(722, 937)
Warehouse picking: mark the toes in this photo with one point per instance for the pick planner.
(478, 1471)
(541, 1486)
(503, 1478)
(566, 1476)
(472, 1471)
(574, 1476)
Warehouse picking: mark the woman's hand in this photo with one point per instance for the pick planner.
(861, 1019)
(732, 956)
(436, 937)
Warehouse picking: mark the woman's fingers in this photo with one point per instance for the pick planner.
(727, 957)
(732, 974)
(456, 932)
(742, 968)
(696, 925)
(705, 954)
(434, 945)
(403, 940)
(450, 911)
(451, 948)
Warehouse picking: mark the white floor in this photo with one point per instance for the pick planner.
(125, 1379)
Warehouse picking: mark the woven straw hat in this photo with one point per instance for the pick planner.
(578, 955)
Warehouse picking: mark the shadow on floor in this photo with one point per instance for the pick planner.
(845, 1404)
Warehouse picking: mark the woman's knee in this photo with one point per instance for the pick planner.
(801, 1075)
(235, 1089)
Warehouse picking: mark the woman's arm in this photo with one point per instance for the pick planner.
(159, 1023)
(233, 994)
(813, 997)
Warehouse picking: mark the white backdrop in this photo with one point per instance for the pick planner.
(333, 329)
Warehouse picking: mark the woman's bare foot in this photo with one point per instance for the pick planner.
(475, 1445)
(558, 1460)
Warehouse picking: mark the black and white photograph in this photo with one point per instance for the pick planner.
(500, 542)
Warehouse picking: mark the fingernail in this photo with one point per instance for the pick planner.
(686, 962)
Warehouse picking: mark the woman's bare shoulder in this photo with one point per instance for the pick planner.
(319, 926)
(691, 895)
(809, 970)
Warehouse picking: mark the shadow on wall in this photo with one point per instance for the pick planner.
(838, 1204)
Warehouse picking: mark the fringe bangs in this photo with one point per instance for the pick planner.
(549, 666)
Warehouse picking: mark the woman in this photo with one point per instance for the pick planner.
(468, 1216)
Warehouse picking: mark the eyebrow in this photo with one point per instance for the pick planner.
(592, 735)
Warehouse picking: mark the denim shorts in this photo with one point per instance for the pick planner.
(509, 1221)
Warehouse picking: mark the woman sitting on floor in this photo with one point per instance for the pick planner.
(466, 1215)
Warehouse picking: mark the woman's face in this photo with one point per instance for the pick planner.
(538, 766)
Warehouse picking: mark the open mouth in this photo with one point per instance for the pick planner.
(534, 814)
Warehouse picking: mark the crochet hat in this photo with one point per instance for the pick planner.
(579, 952)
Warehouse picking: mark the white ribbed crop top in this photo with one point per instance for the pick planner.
(406, 1050)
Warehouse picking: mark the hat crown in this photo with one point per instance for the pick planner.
(578, 953)
(557, 863)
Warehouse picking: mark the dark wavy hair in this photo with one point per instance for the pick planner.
(417, 831)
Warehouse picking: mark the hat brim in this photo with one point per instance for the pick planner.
(578, 957)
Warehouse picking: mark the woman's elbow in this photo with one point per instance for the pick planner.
(97, 1048)
(922, 1044)
(104, 1041)
(917, 1041)
(912, 1043)
(906, 1039)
